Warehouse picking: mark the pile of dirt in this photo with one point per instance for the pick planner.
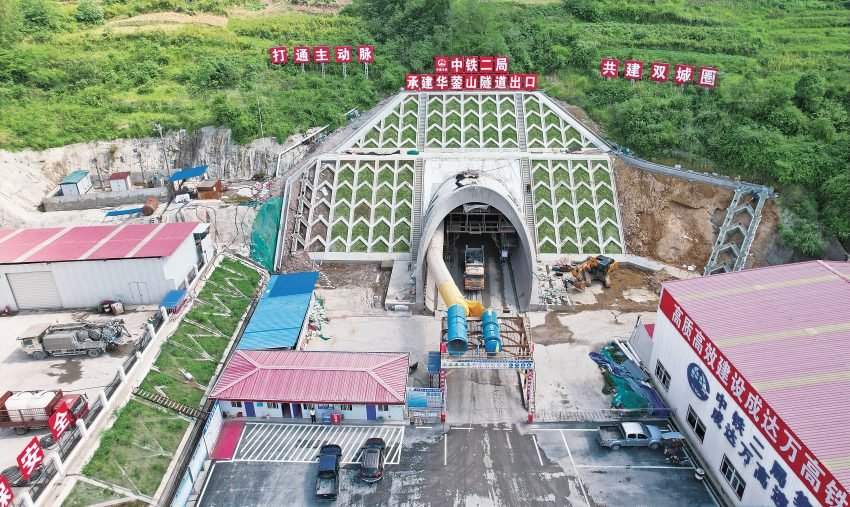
(669, 219)
(366, 276)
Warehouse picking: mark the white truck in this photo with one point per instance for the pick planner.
(43, 340)
(634, 434)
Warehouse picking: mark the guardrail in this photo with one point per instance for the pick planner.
(602, 415)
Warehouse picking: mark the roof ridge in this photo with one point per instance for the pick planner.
(835, 271)
(399, 397)
(219, 388)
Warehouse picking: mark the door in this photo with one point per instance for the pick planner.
(371, 412)
(296, 410)
(34, 290)
(249, 409)
(139, 293)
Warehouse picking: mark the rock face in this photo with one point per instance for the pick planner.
(28, 175)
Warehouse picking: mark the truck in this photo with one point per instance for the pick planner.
(91, 338)
(473, 270)
(26, 410)
(327, 475)
(634, 434)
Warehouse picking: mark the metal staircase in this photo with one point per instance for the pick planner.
(422, 122)
(525, 167)
(417, 205)
(519, 105)
(737, 231)
(169, 403)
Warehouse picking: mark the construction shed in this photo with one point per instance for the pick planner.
(76, 183)
(756, 367)
(280, 318)
(77, 267)
(120, 182)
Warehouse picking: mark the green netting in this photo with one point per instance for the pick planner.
(264, 233)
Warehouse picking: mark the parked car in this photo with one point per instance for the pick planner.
(327, 476)
(372, 461)
(634, 434)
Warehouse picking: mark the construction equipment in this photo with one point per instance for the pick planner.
(473, 271)
(91, 338)
(583, 274)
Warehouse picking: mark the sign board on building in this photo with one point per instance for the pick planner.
(488, 364)
(424, 397)
(698, 382)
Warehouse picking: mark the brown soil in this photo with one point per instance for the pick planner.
(623, 279)
(666, 218)
(767, 236)
(369, 276)
(169, 18)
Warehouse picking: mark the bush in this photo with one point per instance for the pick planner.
(89, 13)
(40, 15)
(585, 10)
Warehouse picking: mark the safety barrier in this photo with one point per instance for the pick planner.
(601, 415)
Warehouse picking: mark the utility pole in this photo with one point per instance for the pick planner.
(158, 128)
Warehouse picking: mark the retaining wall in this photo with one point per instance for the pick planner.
(103, 199)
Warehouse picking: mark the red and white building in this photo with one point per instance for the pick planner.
(77, 267)
(288, 384)
(756, 367)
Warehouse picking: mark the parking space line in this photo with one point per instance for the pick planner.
(271, 437)
(537, 448)
(308, 443)
(564, 429)
(570, 454)
(351, 445)
(257, 437)
(399, 440)
(293, 442)
(662, 467)
(445, 448)
(284, 440)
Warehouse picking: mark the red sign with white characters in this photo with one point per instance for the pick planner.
(322, 54)
(473, 82)
(412, 82)
(684, 74)
(365, 54)
(30, 458)
(456, 64)
(342, 54)
(783, 440)
(470, 64)
(6, 495)
(426, 82)
(609, 68)
(529, 82)
(501, 64)
(60, 420)
(500, 82)
(658, 71)
(441, 82)
(301, 54)
(470, 81)
(485, 82)
(441, 64)
(515, 82)
(278, 55)
(707, 77)
(633, 69)
(486, 64)
(456, 82)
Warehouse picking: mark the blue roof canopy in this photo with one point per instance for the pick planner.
(74, 177)
(280, 313)
(172, 298)
(185, 174)
(119, 212)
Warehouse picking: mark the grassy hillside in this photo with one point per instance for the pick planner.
(779, 114)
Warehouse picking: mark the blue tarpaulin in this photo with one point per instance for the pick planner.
(119, 212)
(185, 174)
(172, 298)
(280, 313)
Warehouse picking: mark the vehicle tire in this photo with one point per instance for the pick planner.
(654, 447)
(615, 447)
(21, 431)
(95, 352)
(39, 355)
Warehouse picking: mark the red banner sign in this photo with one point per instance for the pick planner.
(342, 54)
(659, 72)
(470, 82)
(365, 54)
(60, 421)
(471, 64)
(321, 54)
(30, 458)
(6, 495)
(783, 440)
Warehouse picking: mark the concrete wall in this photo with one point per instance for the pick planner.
(102, 199)
(178, 265)
(357, 412)
(675, 354)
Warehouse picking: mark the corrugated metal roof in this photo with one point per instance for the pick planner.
(314, 377)
(280, 313)
(95, 242)
(787, 330)
(119, 176)
(74, 177)
(185, 174)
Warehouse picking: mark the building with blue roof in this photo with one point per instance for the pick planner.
(280, 317)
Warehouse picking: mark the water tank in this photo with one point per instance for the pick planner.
(490, 330)
(456, 333)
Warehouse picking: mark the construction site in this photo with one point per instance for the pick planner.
(513, 258)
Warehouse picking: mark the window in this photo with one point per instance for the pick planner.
(383, 408)
(345, 407)
(235, 404)
(732, 477)
(663, 376)
(309, 406)
(273, 405)
(696, 424)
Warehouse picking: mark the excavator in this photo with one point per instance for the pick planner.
(584, 273)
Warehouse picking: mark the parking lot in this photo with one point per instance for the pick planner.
(73, 374)
(300, 443)
(477, 465)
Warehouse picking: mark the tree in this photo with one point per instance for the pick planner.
(40, 15)
(10, 22)
(809, 92)
(585, 10)
(89, 13)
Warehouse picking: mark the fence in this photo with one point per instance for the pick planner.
(69, 440)
(110, 389)
(203, 447)
(602, 415)
(94, 410)
(38, 488)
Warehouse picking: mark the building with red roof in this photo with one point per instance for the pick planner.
(77, 267)
(756, 366)
(287, 383)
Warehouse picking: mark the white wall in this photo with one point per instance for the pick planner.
(178, 265)
(676, 355)
(357, 412)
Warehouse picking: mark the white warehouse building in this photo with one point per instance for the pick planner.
(755, 366)
(77, 267)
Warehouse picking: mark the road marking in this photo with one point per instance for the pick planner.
(637, 466)
(425, 427)
(580, 485)
(445, 448)
(564, 429)
(536, 448)
(459, 428)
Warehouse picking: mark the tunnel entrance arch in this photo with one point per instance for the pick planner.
(484, 190)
